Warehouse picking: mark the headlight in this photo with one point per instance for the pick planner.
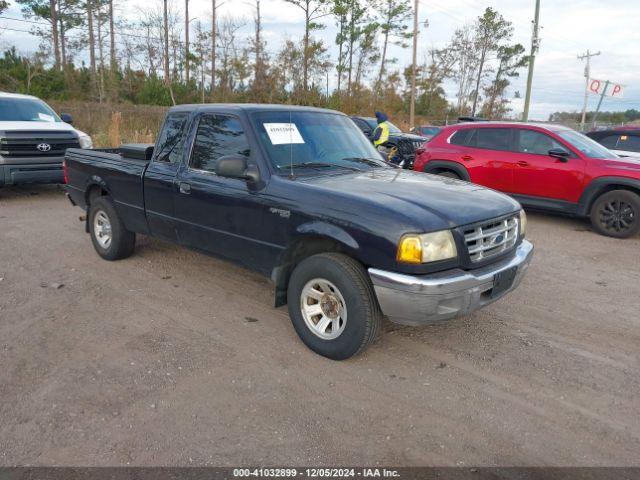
(426, 248)
(523, 223)
(85, 141)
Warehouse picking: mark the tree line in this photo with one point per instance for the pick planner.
(158, 55)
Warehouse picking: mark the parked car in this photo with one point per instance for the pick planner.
(33, 139)
(426, 131)
(405, 143)
(624, 142)
(299, 195)
(543, 166)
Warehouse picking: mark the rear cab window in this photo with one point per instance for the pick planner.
(171, 140)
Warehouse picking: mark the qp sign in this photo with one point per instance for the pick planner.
(612, 89)
(595, 86)
(616, 91)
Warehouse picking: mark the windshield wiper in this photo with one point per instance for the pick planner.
(320, 165)
(370, 161)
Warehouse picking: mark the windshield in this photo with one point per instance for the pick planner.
(314, 140)
(428, 130)
(392, 128)
(587, 146)
(26, 110)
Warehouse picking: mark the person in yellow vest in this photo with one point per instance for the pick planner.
(381, 133)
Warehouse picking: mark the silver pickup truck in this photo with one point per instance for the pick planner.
(33, 140)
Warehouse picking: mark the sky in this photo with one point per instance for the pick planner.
(569, 28)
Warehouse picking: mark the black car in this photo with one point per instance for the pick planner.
(405, 143)
(297, 194)
(624, 142)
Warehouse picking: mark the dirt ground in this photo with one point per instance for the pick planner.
(175, 358)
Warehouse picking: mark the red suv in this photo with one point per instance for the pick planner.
(543, 166)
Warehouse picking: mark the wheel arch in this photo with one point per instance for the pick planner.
(311, 239)
(96, 187)
(602, 185)
(436, 166)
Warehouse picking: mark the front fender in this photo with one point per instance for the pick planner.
(310, 239)
(599, 185)
(328, 230)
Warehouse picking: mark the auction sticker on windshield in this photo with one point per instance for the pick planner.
(283, 133)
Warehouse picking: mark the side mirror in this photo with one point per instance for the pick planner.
(560, 154)
(235, 166)
(66, 118)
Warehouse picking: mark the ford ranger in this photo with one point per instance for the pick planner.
(300, 195)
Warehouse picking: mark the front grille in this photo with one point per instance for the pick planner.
(491, 238)
(418, 144)
(25, 144)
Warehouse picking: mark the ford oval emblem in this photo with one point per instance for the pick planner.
(498, 239)
(44, 147)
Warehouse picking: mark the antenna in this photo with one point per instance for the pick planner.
(290, 145)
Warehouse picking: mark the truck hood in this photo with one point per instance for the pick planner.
(424, 201)
(39, 126)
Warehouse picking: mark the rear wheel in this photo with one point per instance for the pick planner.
(616, 214)
(110, 238)
(333, 306)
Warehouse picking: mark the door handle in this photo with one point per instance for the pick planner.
(522, 163)
(184, 188)
(467, 158)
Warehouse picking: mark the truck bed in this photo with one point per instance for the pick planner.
(120, 175)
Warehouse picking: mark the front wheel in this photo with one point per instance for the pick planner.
(333, 306)
(616, 214)
(110, 238)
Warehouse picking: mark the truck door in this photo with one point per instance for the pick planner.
(215, 214)
(160, 176)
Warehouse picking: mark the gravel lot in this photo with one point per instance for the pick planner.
(174, 358)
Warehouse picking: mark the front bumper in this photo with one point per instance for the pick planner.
(420, 300)
(38, 173)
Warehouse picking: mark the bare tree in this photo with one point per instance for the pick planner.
(313, 10)
(165, 32)
(186, 40)
(395, 15)
(92, 41)
(112, 40)
(490, 30)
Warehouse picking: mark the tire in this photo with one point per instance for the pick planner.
(617, 214)
(345, 297)
(449, 174)
(103, 222)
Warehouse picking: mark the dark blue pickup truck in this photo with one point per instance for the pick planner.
(300, 195)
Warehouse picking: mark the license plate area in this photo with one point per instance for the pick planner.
(503, 281)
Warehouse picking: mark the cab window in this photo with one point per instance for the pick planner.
(217, 136)
(171, 140)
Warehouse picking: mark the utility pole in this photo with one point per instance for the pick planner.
(412, 105)
(604, 92)
(587, 74)
(535, 45)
